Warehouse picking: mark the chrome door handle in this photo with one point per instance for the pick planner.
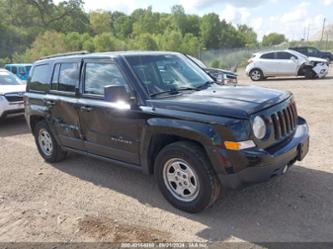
(86, 108)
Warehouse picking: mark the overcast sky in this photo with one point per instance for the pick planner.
(289, 17)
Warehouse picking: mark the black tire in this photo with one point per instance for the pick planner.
(256, 74)
(309, 73)
(194, 156)
(54, 155)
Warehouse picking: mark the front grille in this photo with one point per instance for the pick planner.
(284, 121)
(14, 97)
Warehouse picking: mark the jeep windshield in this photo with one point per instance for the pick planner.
(168, 73)
(7, 78)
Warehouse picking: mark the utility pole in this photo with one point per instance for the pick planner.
(308, 32)
(323, 30)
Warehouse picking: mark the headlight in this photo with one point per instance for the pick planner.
(259, 127)
(2, 98)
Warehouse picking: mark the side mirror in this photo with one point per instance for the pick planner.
(293, 58)
(116, 93)
(217, 77)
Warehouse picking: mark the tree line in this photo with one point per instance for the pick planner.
(30, 29)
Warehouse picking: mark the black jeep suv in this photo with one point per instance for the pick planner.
(160, 113)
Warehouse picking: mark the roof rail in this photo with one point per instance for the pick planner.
(64, 54)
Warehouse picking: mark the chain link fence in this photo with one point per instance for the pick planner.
(233, 58)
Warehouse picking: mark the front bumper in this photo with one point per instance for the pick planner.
(262, 165)
(9, 109)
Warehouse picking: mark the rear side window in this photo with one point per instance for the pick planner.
(40, 78)
(65, 77)
(268, 56)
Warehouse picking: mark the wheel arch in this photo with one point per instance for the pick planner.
(33, 120)
(157, 136)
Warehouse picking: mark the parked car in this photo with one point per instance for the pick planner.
(314, 52)
(20, 70)
(285, 63)
(11, 95)
(221, 76)
(161, 114)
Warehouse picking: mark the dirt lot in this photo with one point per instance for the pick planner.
(82, 199)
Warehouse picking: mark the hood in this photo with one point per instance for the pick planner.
(316, 59)
(10, 89)
(230, 101)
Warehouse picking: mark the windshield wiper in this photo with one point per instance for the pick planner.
(205, 85)
(175, 91)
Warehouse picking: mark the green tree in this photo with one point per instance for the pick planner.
(230, 37)
(210, 30)
(107, 42)
(248, 36)
(145, 42)
(147, 23)
(190, 45)
(171, 41)
(48, 43)
(101, 22)
(73, 41)
(273, 39)
(123, 26)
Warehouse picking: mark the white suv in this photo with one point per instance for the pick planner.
(285, 63)
(12, 90)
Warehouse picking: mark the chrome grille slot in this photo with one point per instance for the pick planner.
(284, 122)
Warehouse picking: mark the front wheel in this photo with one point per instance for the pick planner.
(256, 75)
(309, 73)
(186, 178)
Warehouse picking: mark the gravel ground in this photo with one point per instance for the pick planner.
(82, 199)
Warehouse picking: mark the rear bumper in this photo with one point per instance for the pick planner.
(263, 165)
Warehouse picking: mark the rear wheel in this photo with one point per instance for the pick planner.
(256, 74)
(46, 143)
(185, 177)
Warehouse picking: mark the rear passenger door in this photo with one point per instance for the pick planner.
(268, 64)
(62, 103)
(110, 129)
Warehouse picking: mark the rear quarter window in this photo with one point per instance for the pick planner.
(40, 78)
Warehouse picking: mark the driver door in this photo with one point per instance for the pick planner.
(287, 63)
(110, 129)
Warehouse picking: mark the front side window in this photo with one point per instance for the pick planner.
(100, 75)
(284, 56)
(68, 77)
(170, 72)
